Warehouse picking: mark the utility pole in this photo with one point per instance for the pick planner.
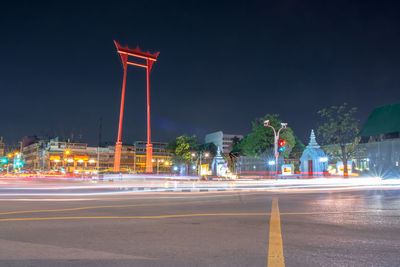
(99, 144)
(206, 155)
(276, 139)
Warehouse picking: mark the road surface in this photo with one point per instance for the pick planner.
(290, 228)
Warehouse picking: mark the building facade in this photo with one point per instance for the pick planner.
(161, 157)
(224, 141)
(1, 147)
(70, 157)
(379, 148)
(61, 156)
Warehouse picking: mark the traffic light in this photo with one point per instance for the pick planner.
(281, 145)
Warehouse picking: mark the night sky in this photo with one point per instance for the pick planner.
(221, 65)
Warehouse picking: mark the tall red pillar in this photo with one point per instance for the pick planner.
(118, 145)
(149, 146)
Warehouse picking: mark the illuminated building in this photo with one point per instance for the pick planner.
(1, 147)
(54, 155)
(161, 157)
(379, 148)
(222, 140)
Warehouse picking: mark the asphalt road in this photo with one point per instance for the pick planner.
(350, 228)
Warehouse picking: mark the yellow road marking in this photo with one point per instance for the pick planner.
(109, 206)
(186, 202)
(275, 249)
(70, 209)
(135, 217)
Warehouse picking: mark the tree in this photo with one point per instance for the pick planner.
(208, 147)
(339, 132)
(235, 142)
(298, 148)
(182, 149)
(261, 140)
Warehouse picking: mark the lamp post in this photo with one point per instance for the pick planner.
(276, 138)
(66, 158)
(158, 163)
(98, 160)
(8, 163)
(206, 155)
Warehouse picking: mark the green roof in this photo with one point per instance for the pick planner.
(382, 120)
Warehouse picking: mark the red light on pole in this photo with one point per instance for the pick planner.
(150, 58)
(282, 145)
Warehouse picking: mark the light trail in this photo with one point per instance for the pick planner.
(200, 186)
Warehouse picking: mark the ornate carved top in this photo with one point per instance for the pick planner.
(136, 52)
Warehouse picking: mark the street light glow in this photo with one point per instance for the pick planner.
(323, 159)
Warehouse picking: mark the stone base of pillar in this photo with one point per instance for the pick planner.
(149, 158)
(117, 156)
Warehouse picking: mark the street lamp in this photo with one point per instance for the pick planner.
(10, 156)
(206, 155)
(158, 163)
(276, 138)
(66, 157)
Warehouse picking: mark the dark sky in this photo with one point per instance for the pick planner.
(222, 64)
